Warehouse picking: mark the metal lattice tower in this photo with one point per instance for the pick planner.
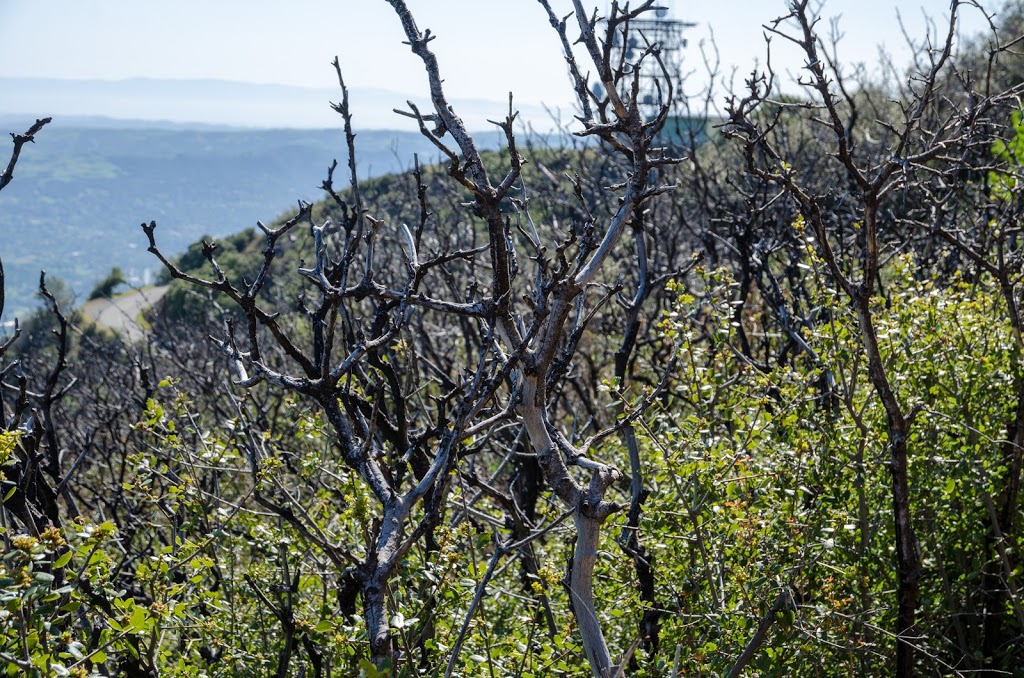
(658, 27)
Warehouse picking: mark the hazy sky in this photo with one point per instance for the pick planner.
(486, 48)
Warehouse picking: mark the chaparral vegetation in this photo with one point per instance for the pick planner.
(727, 384)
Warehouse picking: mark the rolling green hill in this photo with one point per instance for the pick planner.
(81, 191)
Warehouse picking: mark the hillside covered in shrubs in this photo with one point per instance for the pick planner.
(743, 401)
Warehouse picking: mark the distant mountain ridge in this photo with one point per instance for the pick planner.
(221, 102)
(80, 192)
(13, 121)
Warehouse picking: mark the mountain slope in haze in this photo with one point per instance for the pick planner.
(79, 193)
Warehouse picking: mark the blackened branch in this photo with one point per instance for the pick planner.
(19, 141)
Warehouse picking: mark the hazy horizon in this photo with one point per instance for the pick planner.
(485, 48)
(222, 103)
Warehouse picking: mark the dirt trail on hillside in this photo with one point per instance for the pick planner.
(121, 313)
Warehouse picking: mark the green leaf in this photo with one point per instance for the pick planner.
(139, 621)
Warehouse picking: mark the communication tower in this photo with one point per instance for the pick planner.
(657, 27)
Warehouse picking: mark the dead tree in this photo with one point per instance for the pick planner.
(915, 142)
(971, 215)
(509, 309)
(38, 471)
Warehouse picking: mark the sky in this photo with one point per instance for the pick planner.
(486, 48)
